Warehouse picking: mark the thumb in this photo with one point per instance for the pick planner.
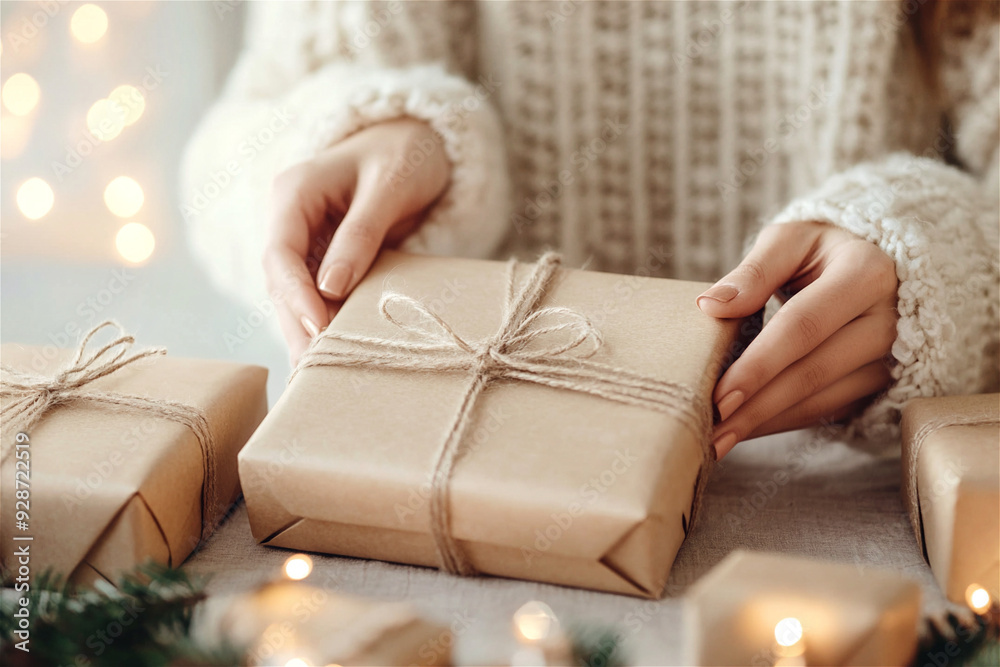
(775, 258)
(358, 238)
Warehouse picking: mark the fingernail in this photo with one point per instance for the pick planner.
(723, 444)
(729, 403)
(309, 326)
(335, 280)
(720, 293)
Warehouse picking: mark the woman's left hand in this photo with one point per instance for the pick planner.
(823, 354)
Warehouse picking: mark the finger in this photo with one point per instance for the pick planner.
(838, 296)
(863, 341)
(359, 237)
(842, 399)
(291, 289)
(797, 419)
(776, 257)
(300, 199)
(295, 337)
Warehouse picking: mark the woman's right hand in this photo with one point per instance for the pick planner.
(333, 213)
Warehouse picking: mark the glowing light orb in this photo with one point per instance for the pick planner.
(535, 621)
(298, 567)
(788, 631)
(106, 119)
(135, 242)
(978, 598)
(20, 94)
(89, 23)
(123, 197)
(35, 198)
(130, 99)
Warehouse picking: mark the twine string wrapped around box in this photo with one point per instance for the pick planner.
(28, 397)
(524, 348)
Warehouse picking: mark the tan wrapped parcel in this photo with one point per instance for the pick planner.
(551, 485)
(110, 488)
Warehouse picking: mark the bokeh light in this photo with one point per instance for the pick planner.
(123, 197)
(788, 631)
(298, 567)
(296, 662)
(106, 119)
(20, 94)
(130, 99)
(978, 598)
(89, 23)
(535, 621)
(135, 242)
(35, 198)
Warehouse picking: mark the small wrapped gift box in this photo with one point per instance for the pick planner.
(766, 609)
(112, 457)
(523, 420)
(284, 621)
(951, 487)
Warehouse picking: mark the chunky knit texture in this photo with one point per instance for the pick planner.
(643, 136)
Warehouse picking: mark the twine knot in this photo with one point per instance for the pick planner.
(27, 397)
(550, 346)
(487, 363)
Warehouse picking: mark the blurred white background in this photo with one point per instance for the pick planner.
(98, 100)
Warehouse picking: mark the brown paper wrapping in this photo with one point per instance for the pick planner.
(284, 620)
(951, 453)
(849, 615)
(112, 489)
(552, 485)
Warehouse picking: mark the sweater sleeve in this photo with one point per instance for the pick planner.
(310, 75)
(939, 223)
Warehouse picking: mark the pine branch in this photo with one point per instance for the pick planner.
(144, 621)
(978, 646)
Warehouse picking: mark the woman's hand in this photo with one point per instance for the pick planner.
(822, 355)
(333, 213)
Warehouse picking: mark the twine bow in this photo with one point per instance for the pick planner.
(28, 397)
(524, 348)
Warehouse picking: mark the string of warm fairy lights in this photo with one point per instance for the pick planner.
(21, 96)
(539, 636)
(790, 640)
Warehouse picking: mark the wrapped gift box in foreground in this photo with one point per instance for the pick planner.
(113, 487)
(551, 484)
(766, 609)
(951, 486)
(284, 621)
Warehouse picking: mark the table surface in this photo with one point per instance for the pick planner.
(836, 503)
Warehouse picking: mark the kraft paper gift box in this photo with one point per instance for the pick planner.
(110, 487)
(283, 621)
(550, 484)
(951, 487)
(840, 614)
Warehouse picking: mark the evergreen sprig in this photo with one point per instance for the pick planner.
(595, 646)
(963, 646)
(145, 621)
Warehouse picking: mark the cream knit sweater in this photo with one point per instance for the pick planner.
(642, 136)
